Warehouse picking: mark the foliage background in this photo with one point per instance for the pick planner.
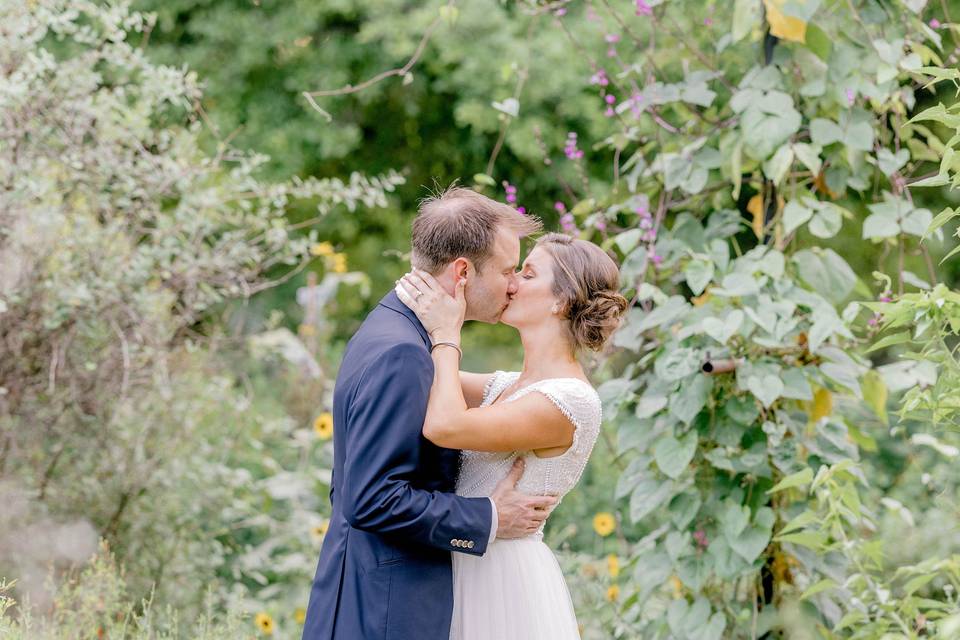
(736, 113)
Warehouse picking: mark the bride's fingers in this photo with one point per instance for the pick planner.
(403, 295)
(419, 282)
(432, 282)
(410, 288)
(412, 292)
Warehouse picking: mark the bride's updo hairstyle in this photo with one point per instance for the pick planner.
(586, 281)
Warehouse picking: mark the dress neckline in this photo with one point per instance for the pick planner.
(527, 386)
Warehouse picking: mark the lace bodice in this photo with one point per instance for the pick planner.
(480, 471)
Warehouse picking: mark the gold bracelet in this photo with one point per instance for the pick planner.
(449, 344)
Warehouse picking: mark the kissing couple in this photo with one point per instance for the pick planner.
(443, 479)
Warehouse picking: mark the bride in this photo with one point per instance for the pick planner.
(567, 299)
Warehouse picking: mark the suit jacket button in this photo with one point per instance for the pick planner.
(454, 542)
(470, 545)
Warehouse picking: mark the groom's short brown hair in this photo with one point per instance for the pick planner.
(460, 222)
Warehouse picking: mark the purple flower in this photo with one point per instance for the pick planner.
(612, 52)
(708, 21)
(635, 100)
(643, 9)
(612, 38)
(600, 78)
(511, 192)
(570, 147)
(610, 98)
(559, 206)
(609, 112)
(657, 259)
(521, 209)
(851, 96)
(560, 12)
(600, 224)
(934, 24)
(701, 537)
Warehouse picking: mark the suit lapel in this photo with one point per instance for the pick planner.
(391, 301)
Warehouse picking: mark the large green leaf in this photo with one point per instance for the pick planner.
(648, 495)
(690, 398)
(673, 455)
(753, 539)
(677, 363)
(798, 479)
(699, 273)
(826, 273)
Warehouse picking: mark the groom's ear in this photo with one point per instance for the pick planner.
(460, 268)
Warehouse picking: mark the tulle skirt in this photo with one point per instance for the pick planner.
(515, 591)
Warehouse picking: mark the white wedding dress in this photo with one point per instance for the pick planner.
(516, 589)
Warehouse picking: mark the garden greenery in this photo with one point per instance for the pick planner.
(780, 404)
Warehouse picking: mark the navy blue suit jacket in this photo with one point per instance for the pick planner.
(384, 570)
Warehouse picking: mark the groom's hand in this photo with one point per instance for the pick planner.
(519, 514)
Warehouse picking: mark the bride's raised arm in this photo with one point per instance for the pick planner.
(531, 422)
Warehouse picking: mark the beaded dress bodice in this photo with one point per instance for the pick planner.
(480, 471)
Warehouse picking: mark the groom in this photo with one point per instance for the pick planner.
(385, 571)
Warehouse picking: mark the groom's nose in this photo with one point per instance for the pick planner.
(512, 286)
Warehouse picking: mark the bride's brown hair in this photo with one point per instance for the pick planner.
(586, 281)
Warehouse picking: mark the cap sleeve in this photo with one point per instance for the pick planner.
(579, 402)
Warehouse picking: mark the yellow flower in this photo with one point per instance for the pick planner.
(323, 425)
(604, 523)
(322, 249)
(299, 614)
(613, 565)
(783, 26)
(320, 530)
(677, 586)
(822, 405)
(701, 300)
(339, 263)
(307, 330)
(264, 622)
(613, 592)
